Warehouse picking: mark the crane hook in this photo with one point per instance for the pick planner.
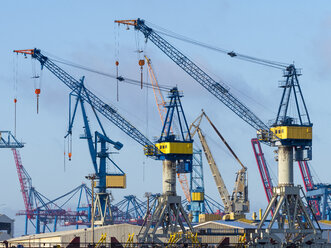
(141, 63)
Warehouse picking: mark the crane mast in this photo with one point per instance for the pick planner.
(177, 156)
(225, 196)
(161, 106)
(237, 204)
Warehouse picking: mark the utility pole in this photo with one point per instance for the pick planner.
(92, 177)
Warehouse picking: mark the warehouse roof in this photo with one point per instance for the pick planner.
(63, 233)
(5, 218)
(247, 224)
(230, 223)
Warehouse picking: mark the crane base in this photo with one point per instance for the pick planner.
(170, 216)
(102, 210)
(293, 217)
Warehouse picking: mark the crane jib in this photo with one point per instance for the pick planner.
(215, 88)
(95, 102)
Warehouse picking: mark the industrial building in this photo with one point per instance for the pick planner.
(63, 238)
(211, 232)
(6, 227)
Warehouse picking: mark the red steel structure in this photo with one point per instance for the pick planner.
(309, 185)
(25, 182)
(263, 168)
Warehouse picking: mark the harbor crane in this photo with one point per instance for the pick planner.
(196, 205)
(286, 133)
(175, 152)
(236, 205)
(102, 209)
(198, 202)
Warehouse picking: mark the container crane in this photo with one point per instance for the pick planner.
(287, 134)
(129, 210)
(236, 205)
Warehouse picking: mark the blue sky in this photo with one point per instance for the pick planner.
(84, 32)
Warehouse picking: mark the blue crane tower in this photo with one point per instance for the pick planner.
(285, 134)
(102, 211)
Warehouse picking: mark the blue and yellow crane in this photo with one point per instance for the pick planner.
(175, 150)
(285, 133)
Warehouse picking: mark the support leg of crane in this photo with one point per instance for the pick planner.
(293, 219)
(169, 214)
(294, 224)
(102, 214)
